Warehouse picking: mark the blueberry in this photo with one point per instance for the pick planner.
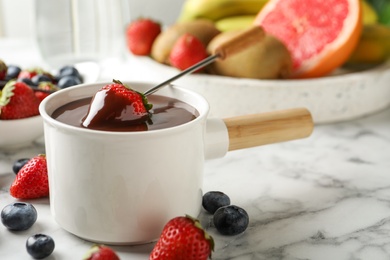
(18, 164)
(40, 246)
(231, 220)
(40, 78)
(68, 81)
(69, 71)
(13, 72)
(213, 200)
(18, 216)
(27, 81)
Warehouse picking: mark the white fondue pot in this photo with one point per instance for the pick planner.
(122, 187)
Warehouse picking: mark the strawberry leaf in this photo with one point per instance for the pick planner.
(145, 101)
(94, 249)
(7, 93)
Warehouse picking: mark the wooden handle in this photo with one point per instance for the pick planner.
(267, 128)
(240, 42)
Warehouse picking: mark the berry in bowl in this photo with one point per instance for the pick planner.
(21, 91)
(20, 122)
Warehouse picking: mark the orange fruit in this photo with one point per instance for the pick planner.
(320, 34)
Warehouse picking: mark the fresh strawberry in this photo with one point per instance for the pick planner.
(47, 88)
(187, 51)
(17, 101)
(41, 95)
(32, 72)
(3, 70)
(117, 104)
(183, 238)
(101, 252)
(29, 74)
(140, 35)
(31, 181)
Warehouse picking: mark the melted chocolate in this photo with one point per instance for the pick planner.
(166, 112)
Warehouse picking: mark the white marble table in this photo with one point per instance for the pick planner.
(323, 197)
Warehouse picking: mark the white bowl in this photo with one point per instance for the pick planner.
(341, 96)
(18, 133)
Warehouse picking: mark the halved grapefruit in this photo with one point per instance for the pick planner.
(320, 34)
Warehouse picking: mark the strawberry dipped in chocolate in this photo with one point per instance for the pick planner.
(117, 105)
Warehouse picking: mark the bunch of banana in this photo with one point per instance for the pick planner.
(215, 10)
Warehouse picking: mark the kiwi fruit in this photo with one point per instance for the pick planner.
(266, 59)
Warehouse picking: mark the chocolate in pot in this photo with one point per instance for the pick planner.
(166, 112)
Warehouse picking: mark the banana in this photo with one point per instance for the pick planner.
(217, 9)
(235, 22)
(373, 47)
(369, 14)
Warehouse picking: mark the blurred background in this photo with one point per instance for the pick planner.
(17, 17)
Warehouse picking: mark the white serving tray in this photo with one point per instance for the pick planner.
(341, 96)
